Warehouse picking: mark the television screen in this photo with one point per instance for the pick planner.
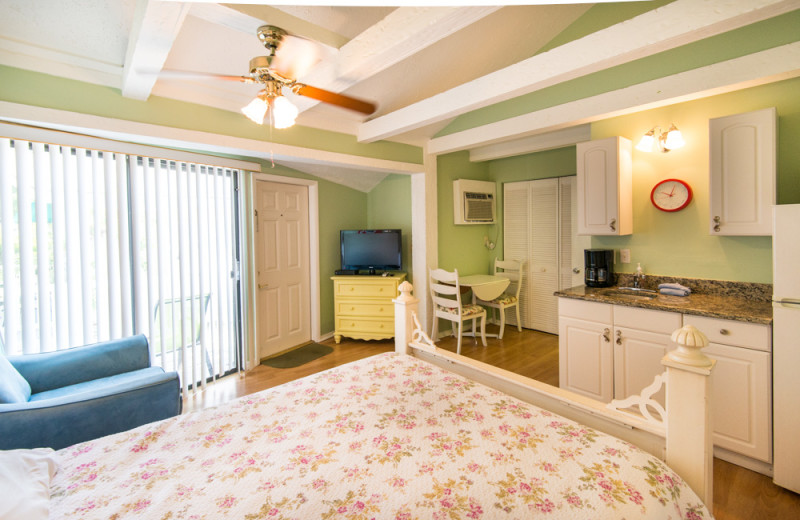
(371, 249)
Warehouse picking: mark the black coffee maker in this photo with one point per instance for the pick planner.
(599, 270)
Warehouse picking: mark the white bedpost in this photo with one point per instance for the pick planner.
(405, 306)
(690, 449)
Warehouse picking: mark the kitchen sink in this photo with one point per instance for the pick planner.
(631, 293)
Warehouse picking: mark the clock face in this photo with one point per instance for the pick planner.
(671, 195)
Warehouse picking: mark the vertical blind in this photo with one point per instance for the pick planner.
(99, 245)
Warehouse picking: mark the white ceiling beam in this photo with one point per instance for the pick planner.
(536, 143)
(748, 71)
(673, 25)
(403, 33)
(155, 26)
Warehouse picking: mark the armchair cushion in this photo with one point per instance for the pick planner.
(13, 387)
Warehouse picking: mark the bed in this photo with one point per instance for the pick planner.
(391, 436)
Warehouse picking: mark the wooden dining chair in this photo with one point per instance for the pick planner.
(512, 270)
(446, 296)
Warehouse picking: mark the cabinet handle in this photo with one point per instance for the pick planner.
(716, 223)
(613, 224)
(724, 332)
(576, 270)
(619, 337)
(607, 335)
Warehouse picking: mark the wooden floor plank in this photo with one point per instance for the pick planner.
(739, 494)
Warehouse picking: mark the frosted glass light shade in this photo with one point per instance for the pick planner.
(283, 112)
(674, 139)
(256, 109)
(646, 143)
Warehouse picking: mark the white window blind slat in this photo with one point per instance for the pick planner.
(41, 181)
(123, 236)
(60, 293)
(100, 267)
(113, 289)
(26, 271)
(10, 329)
(86, 246)
(72, 245)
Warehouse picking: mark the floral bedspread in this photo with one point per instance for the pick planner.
(387, 437)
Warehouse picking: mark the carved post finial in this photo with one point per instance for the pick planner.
(690, 342)
(405, 289)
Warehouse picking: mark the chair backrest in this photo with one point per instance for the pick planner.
(171, 309)
(511, 269)
(445, 290)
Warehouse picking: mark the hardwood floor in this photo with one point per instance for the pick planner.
(739, 494)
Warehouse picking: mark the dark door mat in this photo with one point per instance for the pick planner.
(298, 356)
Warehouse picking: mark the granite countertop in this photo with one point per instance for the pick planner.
(737, 305)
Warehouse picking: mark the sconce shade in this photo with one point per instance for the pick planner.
(674, 139)
(646, 143)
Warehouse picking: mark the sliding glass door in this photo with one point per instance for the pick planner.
(99, 245)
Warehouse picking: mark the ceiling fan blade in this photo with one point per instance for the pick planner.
(189, 75)
(333, 98)
(295, 57)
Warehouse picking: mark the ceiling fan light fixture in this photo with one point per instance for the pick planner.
(256, 110)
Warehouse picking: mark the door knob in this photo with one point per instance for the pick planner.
(263, 285)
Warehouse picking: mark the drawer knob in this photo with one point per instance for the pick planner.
(724, 332)
(380, 310)
(352, 308)
(352, 288)
(381, 325)
(380, 289)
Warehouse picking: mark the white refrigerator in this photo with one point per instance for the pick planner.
(786, 344)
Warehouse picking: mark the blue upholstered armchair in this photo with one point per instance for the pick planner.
(57, 399)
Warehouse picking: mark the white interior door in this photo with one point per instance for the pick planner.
(282, 266)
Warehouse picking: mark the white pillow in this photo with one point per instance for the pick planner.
(25, 480)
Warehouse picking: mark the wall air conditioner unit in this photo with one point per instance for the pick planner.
(473, 202)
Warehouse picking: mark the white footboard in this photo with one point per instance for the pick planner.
(681, 434)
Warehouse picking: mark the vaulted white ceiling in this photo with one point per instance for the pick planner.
(422, 66)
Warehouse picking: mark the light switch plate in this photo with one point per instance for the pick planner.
(625, 256)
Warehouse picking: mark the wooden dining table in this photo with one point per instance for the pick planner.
(486, 287)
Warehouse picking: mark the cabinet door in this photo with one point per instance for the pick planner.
(604, 187)
(742, 152)
(637, 361)
(585, 358)
(741, 400)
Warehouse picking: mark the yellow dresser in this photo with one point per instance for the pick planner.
(363, 305)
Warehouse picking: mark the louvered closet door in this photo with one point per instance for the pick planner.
(544, 269)
(516, 233)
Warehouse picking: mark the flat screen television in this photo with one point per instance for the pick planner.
(371, 249)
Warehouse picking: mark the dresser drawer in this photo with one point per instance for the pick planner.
(365, 289)
(345, 307)
(346, 325)
(729, 332)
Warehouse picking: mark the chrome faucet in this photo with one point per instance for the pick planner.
(638, 276)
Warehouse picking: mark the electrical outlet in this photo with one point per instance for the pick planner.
(625, 256)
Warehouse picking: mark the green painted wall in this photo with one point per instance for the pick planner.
(389, 207)
(42, 90)
(460, 246)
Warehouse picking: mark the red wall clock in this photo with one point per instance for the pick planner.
(671, 195)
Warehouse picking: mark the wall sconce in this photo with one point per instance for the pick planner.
(667, 141)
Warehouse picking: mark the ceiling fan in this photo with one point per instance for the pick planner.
(277, 72)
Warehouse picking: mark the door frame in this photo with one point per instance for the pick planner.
(313, 248)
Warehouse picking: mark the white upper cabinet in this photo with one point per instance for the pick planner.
(742, 150)
(604, 187)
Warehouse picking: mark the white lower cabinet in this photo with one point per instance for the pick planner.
(585, 351)
(610, 352)
(741, 385)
